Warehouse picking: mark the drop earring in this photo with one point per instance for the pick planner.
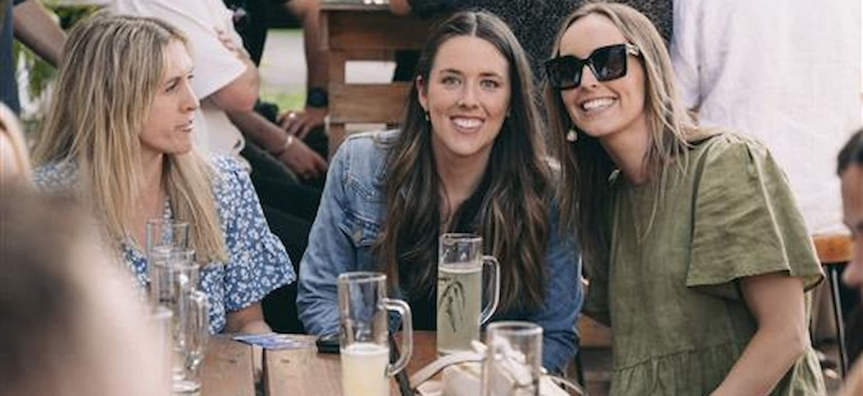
(427, 117)
(571, 135)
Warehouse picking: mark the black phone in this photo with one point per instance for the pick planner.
(328, 343)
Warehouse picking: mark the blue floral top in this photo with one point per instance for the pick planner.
(258, 263)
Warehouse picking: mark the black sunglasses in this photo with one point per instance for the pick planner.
(606, 63)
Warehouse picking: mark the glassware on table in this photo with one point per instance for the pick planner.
(160, 319)
(165, 235)
(175, 286)
(459, 291)
(364, 331)
(513, 363)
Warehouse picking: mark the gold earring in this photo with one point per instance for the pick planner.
(571, 135)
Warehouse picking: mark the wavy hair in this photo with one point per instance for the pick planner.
(586, 167)
(509, 209)
(106, 85)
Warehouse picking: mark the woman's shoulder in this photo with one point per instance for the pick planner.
(716, 146)
(362, 157)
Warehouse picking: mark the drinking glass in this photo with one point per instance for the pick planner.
(163, 236)
(364, 332)
(513, 363)
(159, 320)
(175, 285)
(459, 287)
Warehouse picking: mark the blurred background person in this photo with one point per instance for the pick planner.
(35, 28)
(71, 325)
(14, 157)
(850, 171)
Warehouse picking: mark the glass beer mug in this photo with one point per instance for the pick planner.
(175, 286)
(459, 291)
(364, 332)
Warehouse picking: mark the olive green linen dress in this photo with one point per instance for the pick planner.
(671, 289)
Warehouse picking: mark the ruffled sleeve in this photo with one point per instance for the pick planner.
(258, 262)
(746, 222)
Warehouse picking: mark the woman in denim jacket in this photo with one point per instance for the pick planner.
(470, 158)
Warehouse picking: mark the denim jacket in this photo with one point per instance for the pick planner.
(350, 217)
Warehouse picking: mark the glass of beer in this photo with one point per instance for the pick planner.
(364, 332)
(459, 291)
(513, 363)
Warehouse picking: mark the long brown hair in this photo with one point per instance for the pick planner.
(107, 82)
(510, 206)
(586, 167)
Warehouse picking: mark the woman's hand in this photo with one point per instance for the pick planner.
(777, 304)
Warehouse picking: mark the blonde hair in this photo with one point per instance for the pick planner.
(18, 145)
(107, 82)
(585, 165)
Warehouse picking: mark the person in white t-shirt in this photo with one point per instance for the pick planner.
(787, 73)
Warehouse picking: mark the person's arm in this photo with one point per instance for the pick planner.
(300, 123)
(35, 28)
(400, 7)
(776, 301)
(241, 93)
(330, 252)
(247, 320)
(295, 154)
(563, 300)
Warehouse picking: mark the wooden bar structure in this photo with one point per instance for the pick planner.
(364, 32)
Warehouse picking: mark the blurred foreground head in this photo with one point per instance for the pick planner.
(70, 324)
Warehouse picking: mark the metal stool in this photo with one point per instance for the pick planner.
(834, 251)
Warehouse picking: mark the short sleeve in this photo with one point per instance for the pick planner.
(215, 65)
(745, 222)
(684, 51)
(257, 262)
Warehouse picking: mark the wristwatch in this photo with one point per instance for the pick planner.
(317, 97)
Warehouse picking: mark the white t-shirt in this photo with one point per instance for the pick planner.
(785, 72)
(215, 65)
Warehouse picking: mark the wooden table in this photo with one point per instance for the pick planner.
(227, 369)
(305, 372)
(364, 32)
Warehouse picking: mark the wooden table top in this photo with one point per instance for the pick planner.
(228, 371)
(306, 372)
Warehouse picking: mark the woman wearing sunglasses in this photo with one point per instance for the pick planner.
(469, 158)
(696, 253)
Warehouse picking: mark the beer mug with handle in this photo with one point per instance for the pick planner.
(175, 286)
(459, 291)
(364, 332)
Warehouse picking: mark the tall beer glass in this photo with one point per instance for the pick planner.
(459, 291)
(364, 323)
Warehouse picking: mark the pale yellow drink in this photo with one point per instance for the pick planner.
(459, 299)
(364, 369)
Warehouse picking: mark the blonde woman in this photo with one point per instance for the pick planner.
(697, 255)
(119, 130)
(14, 160)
